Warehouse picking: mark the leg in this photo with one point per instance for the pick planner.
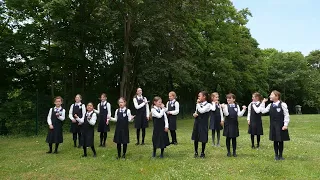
(84, 151)
(56, 148)
(154, 152)
(213, 137)
(276, 149)
(228, 146)
(138, 137)
(162, 150)
(172, 136)
(195, 148)
(79, 139)
(94, 151)
(234, 146)
(50, 148)
(124, 150)
(252, 141)
(218, 137)
(74, 137)
(105, 135)
(175, 137)
(143, 135)
(281, 150)
(119, 150)
(101, 139)
(258, 141)
(202, 150)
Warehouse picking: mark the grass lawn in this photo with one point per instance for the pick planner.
(25, 157)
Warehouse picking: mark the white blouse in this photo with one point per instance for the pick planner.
(83, 108)
(177, 106)
(130, 119)
(255, 108)
(139, 106)
(104, 104)
(226, 112)
(160, 114)
(284, 107)
(61, 117)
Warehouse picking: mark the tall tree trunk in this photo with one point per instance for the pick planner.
(51, 69)
(125, 80)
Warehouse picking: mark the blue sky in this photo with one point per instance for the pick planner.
(287, 25)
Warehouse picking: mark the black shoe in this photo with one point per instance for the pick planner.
(100, 145)
(104, 145)
(49, 152)
(153, 155)
(172, 142)
(118, 157)
(202, 155)
(123, 156)
(229, 154)
(95, 155)
(234, 154)
(84, 156)
(142, 143)
(175, 143)
(196, 155)
(137, 144)
(79, 146)
(55, 152)
(252, 147)
(75, 145)
(276, 157)
(281, 158)
(161, 156)
(258, 146)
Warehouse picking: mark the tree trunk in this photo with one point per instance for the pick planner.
(125, 79)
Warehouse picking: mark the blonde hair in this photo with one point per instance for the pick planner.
(58, 97)
(256, 94)
(214, 94)
(173, 94)
(277, 93)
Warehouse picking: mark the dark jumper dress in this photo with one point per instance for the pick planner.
(160, 138)
(55, 135)
(255, 127)
(121, 134)
(231, 124)
(276, 123)
(200, 127)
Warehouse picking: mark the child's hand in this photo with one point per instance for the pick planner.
(148, 118)
(107, 122)
(132, 117)
(73, 121)
(146, 101)
(168, 112)
(162, 106)
(166, 129)
(221, 123)
(76, 116)
(264, 100)
(195, 115)
(284, 128)
(244, 107)
(50, 126)
(108, 117)
(198, 101)
(249, 122)
(57, 114)
(223, 105)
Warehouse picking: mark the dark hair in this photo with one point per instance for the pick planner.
(277, 93)
(104, 94)
(256, 94)
(155, 99)
(58, 97)
(136, 92)
(204, 93)
(230, 95)
(90, 103)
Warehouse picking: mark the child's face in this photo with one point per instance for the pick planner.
(201, 97)
(121, 103)
(255, 98)
(103, 98)
(230, 100)
(89, 107)
(158, 103)
(139, 91)
(215, 98)
(171, 97)
(77, 99)
(273, 97)
(58, 102)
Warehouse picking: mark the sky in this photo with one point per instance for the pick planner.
(287, 25)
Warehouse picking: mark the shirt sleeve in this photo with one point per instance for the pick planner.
(136, 105)
(176, 111)
(81, 120)
(249, 112)
(285, 113)
(240, 113)
(115, 116)
(203, 109)
(129, 115)
(93, 119)
(157, 114)
(213, 107)
(147, 108)
(71, 112)
(225, 110)
(263, 109)
(166, 123)
(49, 117)
(63, 115)
(257, 109)
(109, 110)
(221, 114)
(97, 111)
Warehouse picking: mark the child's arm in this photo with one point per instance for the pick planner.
(63, 115)
(176, 111)
(157, 114)
(286, 115)
(166, 123)
(81, 120)
(263, 109)
(115, 116)
(93, 119)
(109, 110)
(147, 107)
(49, 117)
(97, 111)
(240, 113)
(130, 117)
(221, 114)
(136, 105)
(225, 109)
(257, 109)
(71, 112)
(204, 109)
(213, 106)
(249, 113)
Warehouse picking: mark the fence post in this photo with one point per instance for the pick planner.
(37, 111)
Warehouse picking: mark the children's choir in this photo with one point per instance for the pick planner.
(208, 115)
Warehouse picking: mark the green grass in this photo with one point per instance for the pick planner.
(25, 158)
